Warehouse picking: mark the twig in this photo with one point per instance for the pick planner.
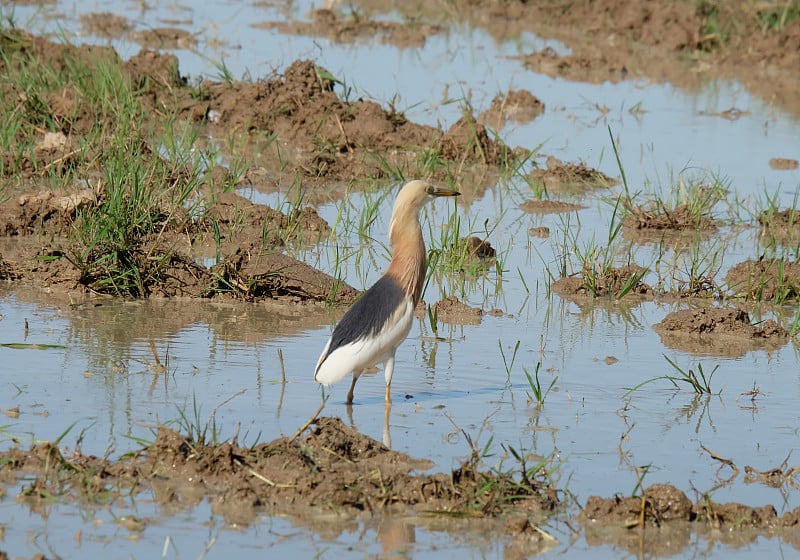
(309, 421)
(716, 457)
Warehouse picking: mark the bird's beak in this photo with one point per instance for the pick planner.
(441, 191)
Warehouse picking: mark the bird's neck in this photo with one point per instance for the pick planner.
(408, 262)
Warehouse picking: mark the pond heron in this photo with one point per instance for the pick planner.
(375, 326)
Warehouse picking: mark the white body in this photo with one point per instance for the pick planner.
(367, 352)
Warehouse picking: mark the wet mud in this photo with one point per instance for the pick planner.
(328, 467)
(298, 126)
(719, 332)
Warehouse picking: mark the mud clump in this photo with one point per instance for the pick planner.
(454, 311)
(781, 226)
(614, 282)
(661, 503)
(559, 176)
(517, 105)
(722, 332)
(679, 218)
(765, 280)
(355, 28)
(784, 164)
(549, 207)
(256, 275)
(332, 139)
(332, 466)
(664, 504)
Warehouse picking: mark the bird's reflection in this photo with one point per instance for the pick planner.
(396, 537)
(387, 412)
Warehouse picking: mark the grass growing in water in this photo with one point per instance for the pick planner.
(699, 381)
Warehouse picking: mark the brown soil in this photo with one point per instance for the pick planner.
(312, 137)
(719, 332)
(684, 43)
(350, 28)
(609, 284)
(452, 310)
(781, 226)
(784, 164)
(679, 218)
(559, 176)
(330, 467)
(765, 280)
(517, 105)
(548, 206)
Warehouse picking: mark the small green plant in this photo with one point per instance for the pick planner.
(508, 365)
(699, 381)
(433, 319)
(775, 16)
(538, 393)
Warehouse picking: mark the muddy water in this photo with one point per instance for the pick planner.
(116, 369)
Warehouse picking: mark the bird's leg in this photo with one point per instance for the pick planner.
(352, 387)
(388, 370)
(387, 436)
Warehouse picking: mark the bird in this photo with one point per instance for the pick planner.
(379, 321)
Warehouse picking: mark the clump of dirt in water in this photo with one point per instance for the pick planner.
(560, 176)
(331, 466)
(782, 226)
(662, 505)
(679, 218)
(454, 311)
(548, 206)
(517, 105)
(611, 282)
(719, 332)
(765, 280)
(341, 28)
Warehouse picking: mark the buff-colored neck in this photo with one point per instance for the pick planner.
(408, 255)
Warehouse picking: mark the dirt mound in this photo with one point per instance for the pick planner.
(662, 504)
(765, 280)
(517, 105)
(454, 311)
(548, 206)
(560, 176)
(719, 332)
(331, 138)
(783, 226)
(352, 28)
(332, 466)
(679, 218)
(615, 282)
(254, 275)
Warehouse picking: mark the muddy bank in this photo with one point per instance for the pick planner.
(329, 467)
(132, 214)
(683, 43)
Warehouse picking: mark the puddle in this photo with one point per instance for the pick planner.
(106, 372)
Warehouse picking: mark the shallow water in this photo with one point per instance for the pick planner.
(105, 382)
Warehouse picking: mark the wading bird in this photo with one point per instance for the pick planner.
(372, 330)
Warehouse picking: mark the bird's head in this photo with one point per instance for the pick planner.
(415, 194)
(411, 198)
